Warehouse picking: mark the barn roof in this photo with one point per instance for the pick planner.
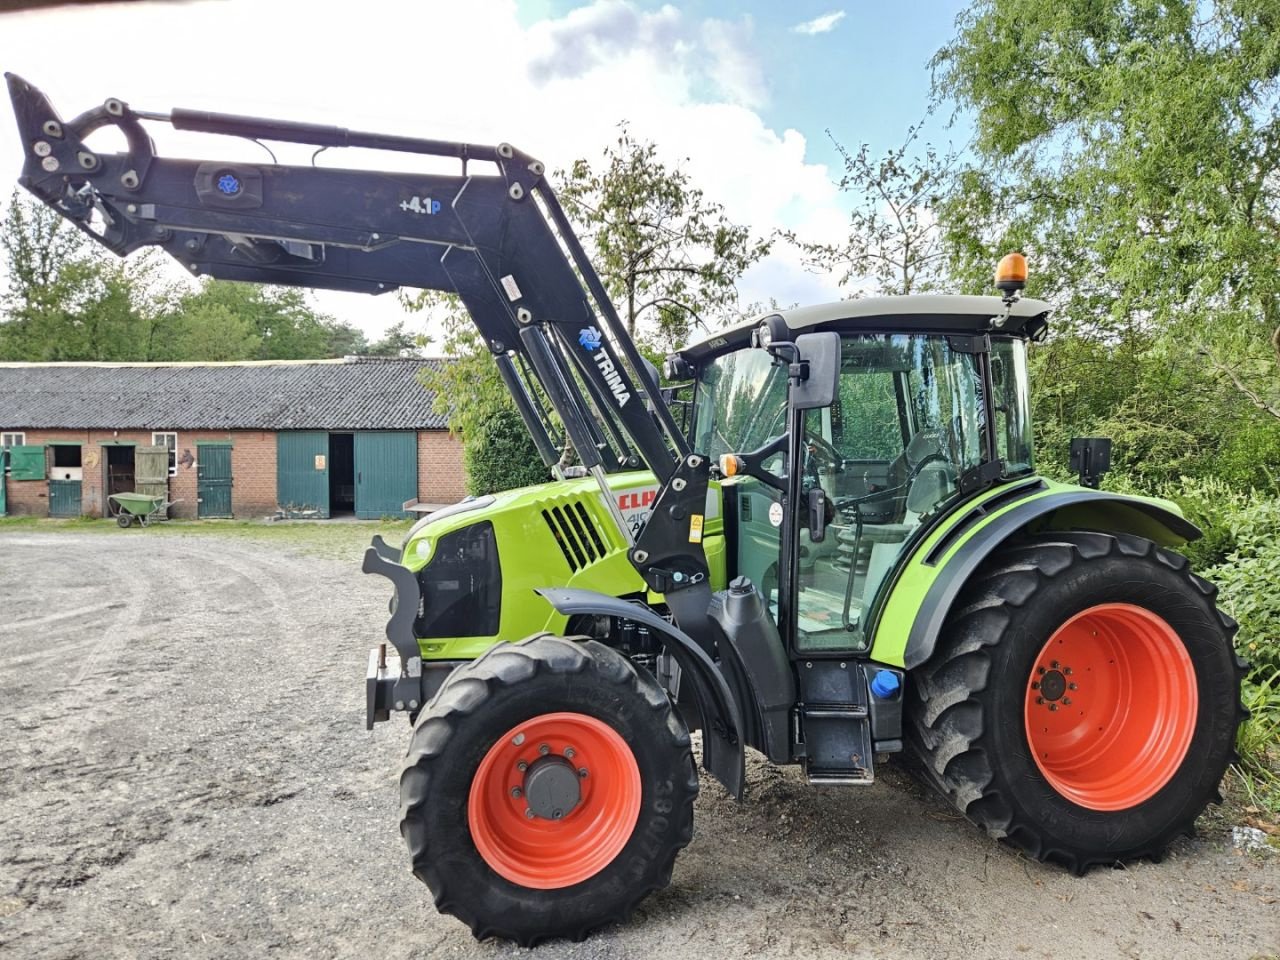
(355, 393)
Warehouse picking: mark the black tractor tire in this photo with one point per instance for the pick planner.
(510, 685)
(971, 706)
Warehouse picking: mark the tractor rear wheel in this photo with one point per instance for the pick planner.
(548, 788)
(1083, 698)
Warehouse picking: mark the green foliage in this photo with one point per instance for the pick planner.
(68, 301)
(398, 342)
(467, 389)
(664, 252)
(1130, 149)
(1247, 580)
(1258, 743)
(500, 456)
(894, 244)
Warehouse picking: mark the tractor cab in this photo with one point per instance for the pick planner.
(931, 405)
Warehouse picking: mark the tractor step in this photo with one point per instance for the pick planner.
(835, 723)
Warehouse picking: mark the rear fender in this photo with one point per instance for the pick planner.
(722, 743)
(916, 610)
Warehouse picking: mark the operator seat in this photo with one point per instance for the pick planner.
(932, 455)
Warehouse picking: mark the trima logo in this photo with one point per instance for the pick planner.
(593, 343)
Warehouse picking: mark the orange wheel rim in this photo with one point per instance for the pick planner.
(519, 810)
(1111, 706)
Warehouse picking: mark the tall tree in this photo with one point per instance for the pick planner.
(894, 244)
(667, 255)
(1132, 148)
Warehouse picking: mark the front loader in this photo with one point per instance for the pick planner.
(842, 553)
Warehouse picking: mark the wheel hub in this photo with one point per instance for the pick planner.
(1053, 685)
(551, 787)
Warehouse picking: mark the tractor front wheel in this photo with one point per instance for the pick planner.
(1083, 699)
(548, 788)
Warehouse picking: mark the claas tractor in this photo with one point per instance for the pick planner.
(823, 539)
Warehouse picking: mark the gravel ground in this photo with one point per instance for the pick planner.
(184, 771)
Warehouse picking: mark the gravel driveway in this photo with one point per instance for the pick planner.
(184, 772)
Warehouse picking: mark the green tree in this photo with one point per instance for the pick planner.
(895, 245)
(665, 253)
(1129, 149)
(500, 456)
(399, 342)
(224, 320)
(497, 449)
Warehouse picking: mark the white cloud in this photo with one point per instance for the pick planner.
(823, 24)
(465, 71)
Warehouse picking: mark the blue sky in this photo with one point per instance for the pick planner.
(866, 78)
(732, 92)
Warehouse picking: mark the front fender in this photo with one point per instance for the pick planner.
(940, 567)
(722, 745)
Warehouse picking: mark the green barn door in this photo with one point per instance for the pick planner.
(64, 498)
(4, 462)
(302, 473)
(386, 473)
(213, 484)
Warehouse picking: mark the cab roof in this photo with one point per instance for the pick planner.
(950, 313)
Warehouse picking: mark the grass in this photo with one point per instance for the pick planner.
(1258, 742)
(345, 540)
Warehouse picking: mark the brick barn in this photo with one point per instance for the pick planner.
(313, 438)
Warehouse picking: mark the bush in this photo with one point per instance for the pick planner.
(501, 456)
(1247, 579)
(1216, 508)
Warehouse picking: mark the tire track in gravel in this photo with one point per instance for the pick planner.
(207, 790)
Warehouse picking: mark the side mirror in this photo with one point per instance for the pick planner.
(1091, 458)
(820, 352)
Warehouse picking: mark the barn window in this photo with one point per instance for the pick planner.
(11, 440)
(169, 440)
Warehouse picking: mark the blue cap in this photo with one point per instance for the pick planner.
(885, 684)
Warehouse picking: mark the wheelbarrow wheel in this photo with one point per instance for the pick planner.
(123, 520)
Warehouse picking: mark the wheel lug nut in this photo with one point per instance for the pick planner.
(1071, 686)
(1053, 707)
(521, 766)
(1067, 671)
(528, 813)
(518, 739)
(1035, 684)
(1066, 701)
(1039, 699)
(1040, 670)
(543, 749)
(582, 773)
(569, 752)
(516, 793)
(1053, 665)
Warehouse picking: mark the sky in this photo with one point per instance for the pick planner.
(741, 94)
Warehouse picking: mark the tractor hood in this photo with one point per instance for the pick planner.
(477, 564)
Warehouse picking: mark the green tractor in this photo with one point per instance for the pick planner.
(824, 540)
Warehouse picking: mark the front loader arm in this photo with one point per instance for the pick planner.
(500, 241)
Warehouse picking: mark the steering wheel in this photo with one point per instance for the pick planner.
(815, 443)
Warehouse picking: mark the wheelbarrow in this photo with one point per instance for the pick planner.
(142, 507)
